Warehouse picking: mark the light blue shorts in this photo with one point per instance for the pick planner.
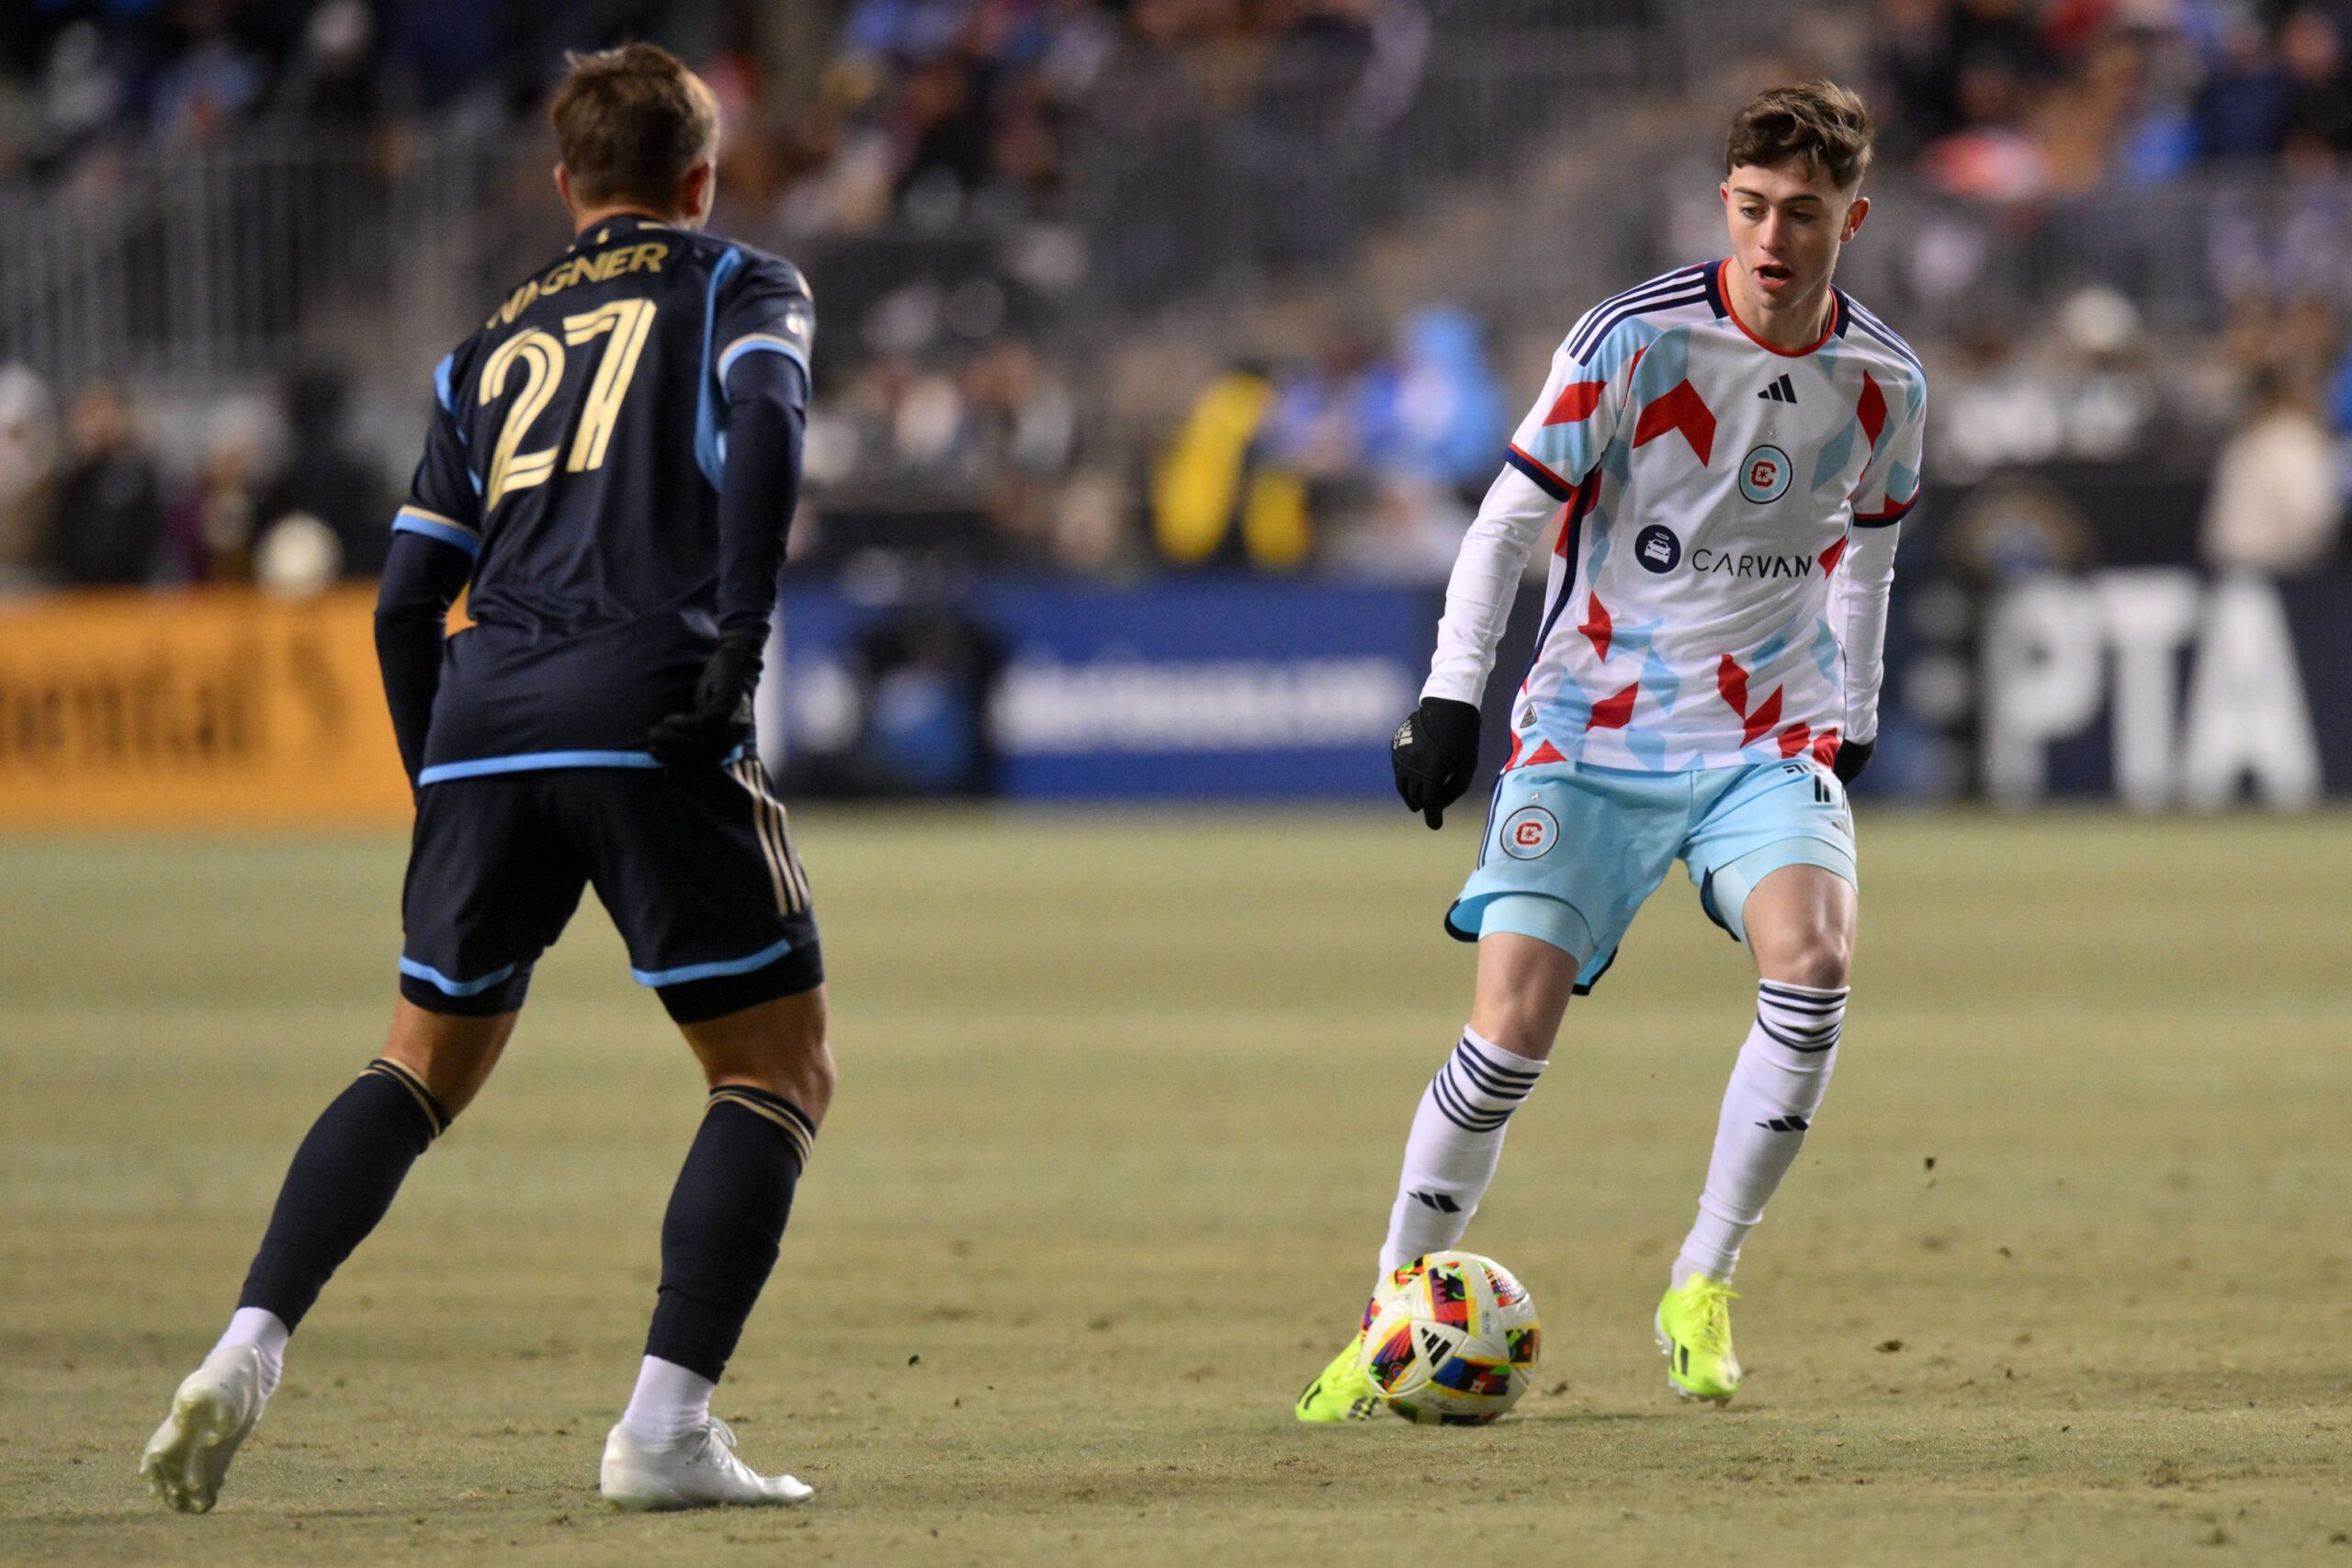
(1572, 851)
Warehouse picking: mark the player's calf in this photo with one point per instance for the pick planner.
(342, 1180)
(1775, 1092)
(772, 1078)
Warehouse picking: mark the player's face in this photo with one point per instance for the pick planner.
(1786, 223)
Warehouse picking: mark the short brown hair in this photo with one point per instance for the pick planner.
(1820, 124)
(629, 124)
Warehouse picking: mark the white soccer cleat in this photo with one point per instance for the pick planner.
(697, 1471)
(211, 1414)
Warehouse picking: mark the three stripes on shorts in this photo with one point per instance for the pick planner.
(784, 873)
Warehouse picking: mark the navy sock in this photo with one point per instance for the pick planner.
(725, 1218)
(342, 1180)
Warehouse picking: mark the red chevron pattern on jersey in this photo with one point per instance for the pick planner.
(1680, 409)
(1871, 409)
(1597, 626)
(1671, 573)
(1576, 403)
(1613, 712)
(1732, 682)
(1799, 738)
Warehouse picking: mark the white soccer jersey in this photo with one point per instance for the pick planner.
(1697, 616)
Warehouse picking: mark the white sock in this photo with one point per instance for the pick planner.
(1776, 1088)
(668, 1403)
(1450, 1154)
(259, 1327)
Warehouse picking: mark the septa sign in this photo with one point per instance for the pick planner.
(2167, 689)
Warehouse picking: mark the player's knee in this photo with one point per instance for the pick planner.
(1523, 1030)
(779, 1047)
(451, 1055)
(813, 1065)
(800, 1070)
(1823, 959)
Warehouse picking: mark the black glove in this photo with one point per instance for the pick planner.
(720, 719)
(1435, 752)
(1853, 756)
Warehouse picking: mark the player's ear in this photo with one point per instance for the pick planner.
(698, 191)
(1854, 216)
(563, 188)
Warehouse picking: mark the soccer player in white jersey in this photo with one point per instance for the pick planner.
(1735, 444)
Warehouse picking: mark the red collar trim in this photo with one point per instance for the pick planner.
(1722, 287)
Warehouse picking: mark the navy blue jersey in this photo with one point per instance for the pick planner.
(576, 450)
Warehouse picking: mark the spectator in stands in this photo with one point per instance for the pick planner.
(2318, 120)
(326, 477)
(214, 78)
(2278, 498)
(1019, 428)
(1217, 498)
(333, 80)
(1451, 417)
(1955, 67)
(2242, 113)
(28, 469)
(109, 516)
(212, 531)
(1337, 410)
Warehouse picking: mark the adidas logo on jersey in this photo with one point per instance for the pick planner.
(1780, 392)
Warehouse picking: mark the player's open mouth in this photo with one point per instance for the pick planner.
(1773, 272)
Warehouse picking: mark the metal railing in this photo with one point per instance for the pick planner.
(209, 264)
(215, 264)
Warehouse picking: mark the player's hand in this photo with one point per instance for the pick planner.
(1853, 756)
(720, 719)
(1435, 752)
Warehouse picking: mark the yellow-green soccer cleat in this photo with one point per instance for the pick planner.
(1694, 1330)
(1342, 1391)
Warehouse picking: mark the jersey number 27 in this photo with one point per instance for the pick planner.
(623, 324)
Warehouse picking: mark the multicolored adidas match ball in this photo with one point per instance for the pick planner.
(1450, 1338)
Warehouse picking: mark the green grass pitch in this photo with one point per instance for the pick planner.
(2062, 1278)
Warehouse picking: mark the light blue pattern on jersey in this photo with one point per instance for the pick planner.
(710, 393)
(1824, 649)
(1665, 361)
(1572, 448)
(1664, 686)
(1834, 453)
(1600, 839)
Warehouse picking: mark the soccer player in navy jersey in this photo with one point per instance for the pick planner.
(611, 468)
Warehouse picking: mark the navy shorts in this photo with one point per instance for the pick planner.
(696, 866)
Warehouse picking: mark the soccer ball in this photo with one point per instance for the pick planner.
(1450, 1338)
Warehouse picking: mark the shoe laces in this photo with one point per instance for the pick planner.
(718, 1442)
(1710, 1315)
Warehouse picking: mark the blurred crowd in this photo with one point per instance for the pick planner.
(2009, 99)
(928, 110)
(79, 77)
(968, 408)
(281, 495)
